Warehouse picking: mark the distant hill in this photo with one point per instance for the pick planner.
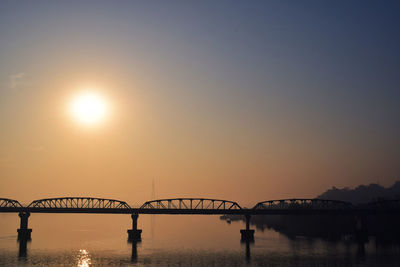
(363, 193)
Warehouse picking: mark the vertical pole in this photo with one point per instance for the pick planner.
(134, 221)
(248, 222)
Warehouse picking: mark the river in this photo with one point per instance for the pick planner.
(172, 240)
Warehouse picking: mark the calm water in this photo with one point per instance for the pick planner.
(172, 240)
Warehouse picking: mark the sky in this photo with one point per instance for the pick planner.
(239, 100)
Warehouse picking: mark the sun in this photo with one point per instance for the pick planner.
(88, 108)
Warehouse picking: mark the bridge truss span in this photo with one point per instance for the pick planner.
(191, 204)
(79, 203)
(303, 204)
(9, 203)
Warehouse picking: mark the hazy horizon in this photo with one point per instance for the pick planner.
(244, 102)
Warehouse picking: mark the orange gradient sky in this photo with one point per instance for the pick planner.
(243, 104)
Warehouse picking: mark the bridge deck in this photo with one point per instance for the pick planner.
(92, 205)
(199, 211)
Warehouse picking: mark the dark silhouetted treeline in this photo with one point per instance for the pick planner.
(363, 193)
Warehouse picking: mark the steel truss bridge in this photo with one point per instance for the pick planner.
(205, 206)
(198, 206)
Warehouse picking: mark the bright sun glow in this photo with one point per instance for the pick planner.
(89, 108)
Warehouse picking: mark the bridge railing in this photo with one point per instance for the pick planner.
(191, 204)
(299, 203)
(79, 202)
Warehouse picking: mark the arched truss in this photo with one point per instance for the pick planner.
(9, 203)
(191, 204)
(297, 203)
(385, 204)
(79, 202)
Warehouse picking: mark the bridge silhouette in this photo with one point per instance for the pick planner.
(194, 206)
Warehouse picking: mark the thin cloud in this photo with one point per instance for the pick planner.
(18, 81)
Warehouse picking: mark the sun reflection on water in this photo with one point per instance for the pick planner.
(84, 258)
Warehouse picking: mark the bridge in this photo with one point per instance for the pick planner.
(205, 206)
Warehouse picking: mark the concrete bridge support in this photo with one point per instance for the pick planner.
(24, 233)
(134, 234)
(247, 234)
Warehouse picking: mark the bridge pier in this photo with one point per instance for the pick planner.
(247, 234)
(24, 233)
(134, 234)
